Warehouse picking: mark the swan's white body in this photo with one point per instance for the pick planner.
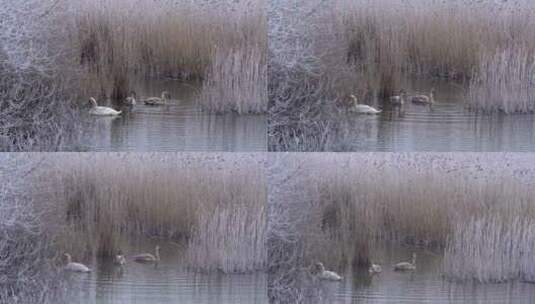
(75, 267)
(101, 111)
(326, 275)
(147, 257)
(375, 268)
(156, 101)
(362, 109)
(403, 266)
(424, 99)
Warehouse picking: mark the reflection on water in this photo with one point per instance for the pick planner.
(178, 126)
(424, 285)
(445, 126)
(167, 283)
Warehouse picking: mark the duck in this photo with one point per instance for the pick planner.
(147, 257)
(398, 100)
(75, 267)
(375, 268)
(101, 111)
(424, 99)
(131, 100)
(322, 274)
(361, 108)
(156, 101)
(119, 260)
(403, 266)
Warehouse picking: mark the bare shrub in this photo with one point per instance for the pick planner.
(27, 272)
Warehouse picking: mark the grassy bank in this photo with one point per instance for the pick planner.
(352, 203)
(213, 206)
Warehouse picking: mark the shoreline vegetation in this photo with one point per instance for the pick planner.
(375, 49)
(91, 205)
(477, 211)
(221, 44)
(101, 48)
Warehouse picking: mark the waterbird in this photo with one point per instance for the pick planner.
(101, 111)
(326, 275)
(424, 99)
(402, 266)
(119, 260)
(361, 108)
(75, 267)
(147, 257)
(156, 101)
(398, 99)
(131, 100)
(375, 268)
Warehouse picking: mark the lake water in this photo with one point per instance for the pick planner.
(446, 126)
(178, 126)
(424, 285)
(167, 283)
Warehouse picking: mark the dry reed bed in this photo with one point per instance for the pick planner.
(492, 248)
(222, 43)
(489, 44)
(351, 203)
(215, 208)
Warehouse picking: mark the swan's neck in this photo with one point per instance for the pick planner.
(413, 260)
(164, 96)
(157, 254)
(432, 96)
(93, 102)
(355, 100)
(69, 258)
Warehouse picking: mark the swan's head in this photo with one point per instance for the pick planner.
(93, 102)
(68, 257)
(319, 267)
(354, 99)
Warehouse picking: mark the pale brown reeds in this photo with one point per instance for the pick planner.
(351, 203)
(390, 43)
(181, 40)
(98, 202)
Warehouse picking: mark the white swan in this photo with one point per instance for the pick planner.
(375, 268)
(402, 266)
(75, 267)
(398, 100)
(156, 101)
(424, 99)
(326, 275)
(131, 100)
(360, 108)
(101, 111)
(119, 260)
(147, 257)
